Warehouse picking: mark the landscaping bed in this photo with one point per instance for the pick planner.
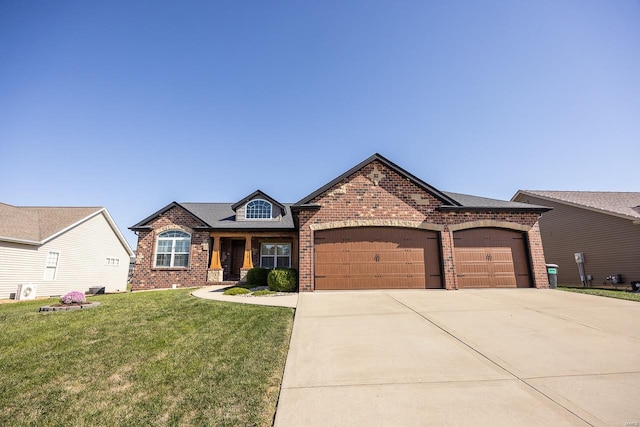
(67, 307)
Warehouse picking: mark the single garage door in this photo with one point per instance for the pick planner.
(491, 258)
(377, 258)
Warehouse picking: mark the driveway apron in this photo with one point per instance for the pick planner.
(478, 357)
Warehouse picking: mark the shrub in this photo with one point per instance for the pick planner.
(283, 280)
(262, 293)
(236, 291)
(73, 297)
(257, 277)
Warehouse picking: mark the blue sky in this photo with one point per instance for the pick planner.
(134, 104)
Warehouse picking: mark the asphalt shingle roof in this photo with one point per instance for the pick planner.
(37, 224)
(616, 202)
(483, 202)
(221, 215)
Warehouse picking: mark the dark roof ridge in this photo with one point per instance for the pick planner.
(258, 193)
(378, 157)
(163, 210)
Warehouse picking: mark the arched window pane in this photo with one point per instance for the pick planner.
(172, 249)
(258, 209)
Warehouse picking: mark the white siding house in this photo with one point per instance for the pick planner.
(61, 250)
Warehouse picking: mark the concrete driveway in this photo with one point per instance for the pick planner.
(483, 357)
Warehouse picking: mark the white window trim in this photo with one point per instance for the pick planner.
(246, 208)
(275, 256)
(53, 267)
(173, 252)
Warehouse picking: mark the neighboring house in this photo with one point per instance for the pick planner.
(374, 227)
(61, 249)
(604, 226)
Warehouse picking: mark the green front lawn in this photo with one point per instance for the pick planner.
(605, 293)
(150, 358)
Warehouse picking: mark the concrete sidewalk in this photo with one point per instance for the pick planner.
(216, 292)
(484, 357)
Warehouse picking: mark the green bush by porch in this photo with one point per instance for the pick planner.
(257, 277)
(283, 280)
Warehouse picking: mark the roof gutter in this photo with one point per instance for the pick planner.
(304, 207)
(20, 241)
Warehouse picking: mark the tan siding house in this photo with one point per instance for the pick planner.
(61, 250)
(605, 226)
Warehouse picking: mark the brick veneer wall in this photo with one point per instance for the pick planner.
(376, 192)
(146, 276)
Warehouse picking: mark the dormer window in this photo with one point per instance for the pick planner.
(258, 209)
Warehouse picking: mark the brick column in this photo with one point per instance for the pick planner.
(215, 273)
(247, 263)
(536, 251)
(448, 264)
(305, 251)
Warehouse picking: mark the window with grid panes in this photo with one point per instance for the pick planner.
(275, 255)
(172, 249)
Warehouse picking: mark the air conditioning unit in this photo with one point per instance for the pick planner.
(26, 291)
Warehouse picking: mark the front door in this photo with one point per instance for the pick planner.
(237, 258)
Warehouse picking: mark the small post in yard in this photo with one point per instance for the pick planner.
(579, 256)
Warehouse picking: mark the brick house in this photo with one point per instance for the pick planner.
(374, 227)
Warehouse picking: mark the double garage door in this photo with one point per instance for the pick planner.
(377, 258)
(398, 258)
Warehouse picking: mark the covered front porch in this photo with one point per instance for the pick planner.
(235, 253)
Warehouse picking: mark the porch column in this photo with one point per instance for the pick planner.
(215, 256)
(215, 273)
(248, 256)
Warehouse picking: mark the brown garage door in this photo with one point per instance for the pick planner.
(491, 258)
(377, 258)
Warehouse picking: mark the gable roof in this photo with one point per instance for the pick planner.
(222, 216)
(377, 157)
(617, 203)
(36, 225)
(143, 224)
(450, 201)
(258, 194)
